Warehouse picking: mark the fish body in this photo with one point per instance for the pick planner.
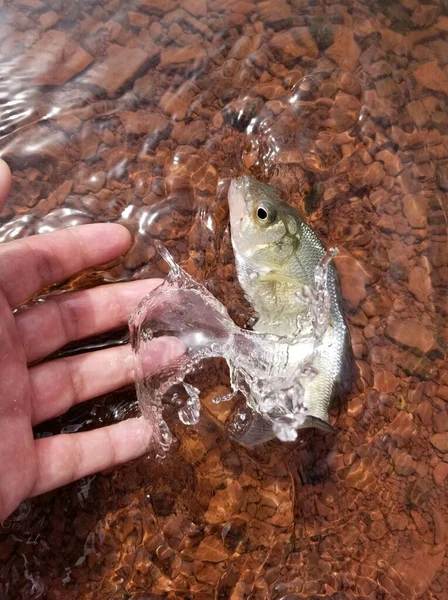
(276, 255)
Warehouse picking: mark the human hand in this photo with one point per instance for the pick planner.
(32, 394)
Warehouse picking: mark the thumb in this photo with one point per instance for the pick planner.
(5, 181)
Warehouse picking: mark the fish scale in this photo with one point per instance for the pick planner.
(272, 267)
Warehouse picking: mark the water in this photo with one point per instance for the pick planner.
(139, 113)
(183, 323)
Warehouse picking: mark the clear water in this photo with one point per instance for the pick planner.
(270, 371)
(139, 113)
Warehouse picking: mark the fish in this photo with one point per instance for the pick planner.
(276, 255)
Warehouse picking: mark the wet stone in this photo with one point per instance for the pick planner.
(413, 335)
(397, 521)
(440, 473)
(431, 76)
(344, 51)
(55, 59)
(376, 530)
(440, 421)
(119, 67)
(403, 463)
(420, 284)
(440, 441)
(419, 570)
(293, 44)
(144, 122)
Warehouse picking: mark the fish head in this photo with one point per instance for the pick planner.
(265, 230)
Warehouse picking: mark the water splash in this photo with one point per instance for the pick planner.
(181, 323)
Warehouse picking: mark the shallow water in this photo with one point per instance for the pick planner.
(139, 113)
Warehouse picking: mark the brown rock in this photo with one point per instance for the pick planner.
(176, 104)
(413, 335)
(439, 526)
(344, 50)
(442, 24)
(293, 44)
(173, 57)
(361, 476)
(274, 12)
(420, 284)
(137, 19)
(431, 76)
(425, 411)
(440, 421)
(395, 42)
(420, 523)
(157, 7)
(397, 521)
(385, 382)
(419, 570)
(440, 441)
(120, 66)
(144, 122)
(197, 8)
(440, 473)
(192, 134)
(211, 549)
(418, 113)
(55, 59)
(418, 492)
(425, 15)
(32, 4)
(225, 503)
(48, 19)
(392, 162)
(402, 428)
(403, 462)
(414, 209)
(354, 278)
(386, 223)
(376, 530)
(145, 88)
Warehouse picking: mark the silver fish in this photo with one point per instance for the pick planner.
(276, 255)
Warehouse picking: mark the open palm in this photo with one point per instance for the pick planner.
(32, 394)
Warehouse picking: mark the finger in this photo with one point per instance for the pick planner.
(62, 383)
(77, 315)
(5, 181)
(64, 458)
(29, 265)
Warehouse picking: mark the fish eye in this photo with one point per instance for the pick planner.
(265, 213)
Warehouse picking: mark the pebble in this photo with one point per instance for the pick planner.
(397, 521)
(119, 67)
(420, 284)
(413, 335)
(55, 59)
(143, 122)
(440, 441)
(403, 463)
(419, 570)
(415, 210)
(294, 43)
(344, 51)
(354, 277)
(431, 76)
(440, 421)
(440, 473)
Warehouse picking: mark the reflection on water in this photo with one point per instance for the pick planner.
(139, 113)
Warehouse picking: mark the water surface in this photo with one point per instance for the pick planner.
(139, 113)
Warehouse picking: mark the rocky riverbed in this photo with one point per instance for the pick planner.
(139, 113)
